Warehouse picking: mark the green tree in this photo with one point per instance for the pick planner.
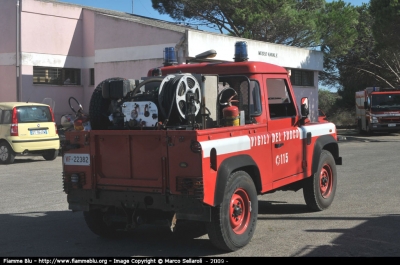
(314, 24)
(386, 25)
(354, 68)
(386, 14)
(289, 22)
(374, 59)
(339, 28)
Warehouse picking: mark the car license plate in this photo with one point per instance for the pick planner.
(391, 125)
(35, 132)
(77, 159)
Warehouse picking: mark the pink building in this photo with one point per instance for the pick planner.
(51, 49)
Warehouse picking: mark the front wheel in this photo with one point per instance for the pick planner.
(369, 131)
(319, 189)
(234, 221)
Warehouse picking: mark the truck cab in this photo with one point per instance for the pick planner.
(378, 109)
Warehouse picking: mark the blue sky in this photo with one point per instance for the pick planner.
(143, 7)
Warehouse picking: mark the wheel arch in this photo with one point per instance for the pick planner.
(325, 142)
(233, 164)
(2, 140)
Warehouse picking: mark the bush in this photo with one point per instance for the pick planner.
(335, 109)
(343, 118)
(326, 100)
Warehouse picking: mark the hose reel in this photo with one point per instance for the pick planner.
(179, 98)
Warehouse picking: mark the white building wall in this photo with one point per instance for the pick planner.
(285, 56)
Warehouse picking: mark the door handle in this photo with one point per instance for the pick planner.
(278, 145)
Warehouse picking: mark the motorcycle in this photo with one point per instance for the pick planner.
(79, 121)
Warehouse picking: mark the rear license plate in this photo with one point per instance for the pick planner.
(391, 125)
(77, 159)
(35, 132)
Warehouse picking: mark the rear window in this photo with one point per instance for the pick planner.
(34, 114)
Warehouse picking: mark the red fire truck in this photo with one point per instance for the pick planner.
(378, 109)
(191, 146)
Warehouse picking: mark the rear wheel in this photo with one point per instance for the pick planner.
(99, 108)
(319, 190)
(190, 229)
(96, 221)
(6, 153)
(234, 221)
(369, 131)
(359, 127)
(50, 155)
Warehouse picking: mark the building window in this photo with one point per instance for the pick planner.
(302, 77)
(56, 76)
(91, 76)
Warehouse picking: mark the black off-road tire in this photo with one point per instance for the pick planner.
(95, 221)
(369, 132)
(6, 153)
(359, 128)
(319, 190)
(99, 108)
(50, 155)
(234, 221)
(188, 229)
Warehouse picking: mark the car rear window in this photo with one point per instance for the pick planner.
(34, 114)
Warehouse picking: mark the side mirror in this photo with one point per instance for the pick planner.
(304, 108)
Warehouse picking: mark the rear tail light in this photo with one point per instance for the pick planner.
(195, 147)
(53, 120)
(14, 123)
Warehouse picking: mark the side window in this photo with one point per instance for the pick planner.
(254, 98)
(6, 117)
(248, 97)
(280, 101)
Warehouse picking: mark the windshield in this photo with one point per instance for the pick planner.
(385, 102)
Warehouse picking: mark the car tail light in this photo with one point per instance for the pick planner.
(14, 123)
(53, 120)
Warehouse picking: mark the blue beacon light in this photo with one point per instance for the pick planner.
(240, 51)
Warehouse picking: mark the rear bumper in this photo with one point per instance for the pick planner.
(20, 146)
(185, 207)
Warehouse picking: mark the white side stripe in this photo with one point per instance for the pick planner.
(226, 146)
(318, 129)
(243, 143)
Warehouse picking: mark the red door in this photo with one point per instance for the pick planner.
(285, 135)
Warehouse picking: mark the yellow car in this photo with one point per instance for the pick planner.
(27, 128)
